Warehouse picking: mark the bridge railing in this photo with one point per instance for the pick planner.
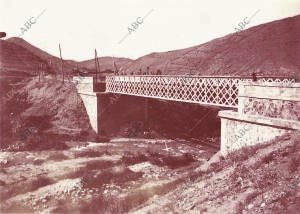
(211, 90)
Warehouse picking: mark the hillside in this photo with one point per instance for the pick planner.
(272, 49)
(53, 64)
(19, 55)
(14, 59)
(52, 108)
(259, 179)
(107, 63)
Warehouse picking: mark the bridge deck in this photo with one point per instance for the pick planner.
(210, 90)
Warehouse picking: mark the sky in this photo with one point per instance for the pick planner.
(132, 28)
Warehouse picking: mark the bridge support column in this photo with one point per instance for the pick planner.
(95, 103)
(106, 110)
(265, 111)
(104, 102)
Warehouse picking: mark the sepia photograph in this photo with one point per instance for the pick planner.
(150, 107)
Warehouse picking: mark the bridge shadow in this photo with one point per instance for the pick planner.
(133, 116)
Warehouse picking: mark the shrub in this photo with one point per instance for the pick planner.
(294, 163)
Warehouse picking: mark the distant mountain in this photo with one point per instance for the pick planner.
(53, 63)
(271, 49)
(15, 59)
(19, 55)
(107, 63)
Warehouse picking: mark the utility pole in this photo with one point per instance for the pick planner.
(51, 67)
(98, 63)
(116, 70)
(62, 64)
(97, 66)
(40, 69)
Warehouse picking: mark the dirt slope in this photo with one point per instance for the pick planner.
(260, 179)
(33, 110)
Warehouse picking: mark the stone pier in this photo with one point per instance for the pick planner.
(265, 111)
(96, 102)
(106, 110)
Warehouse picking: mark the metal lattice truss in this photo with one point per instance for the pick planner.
(218, 91)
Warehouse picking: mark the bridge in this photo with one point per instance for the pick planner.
(268, 107)
(207, 90)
